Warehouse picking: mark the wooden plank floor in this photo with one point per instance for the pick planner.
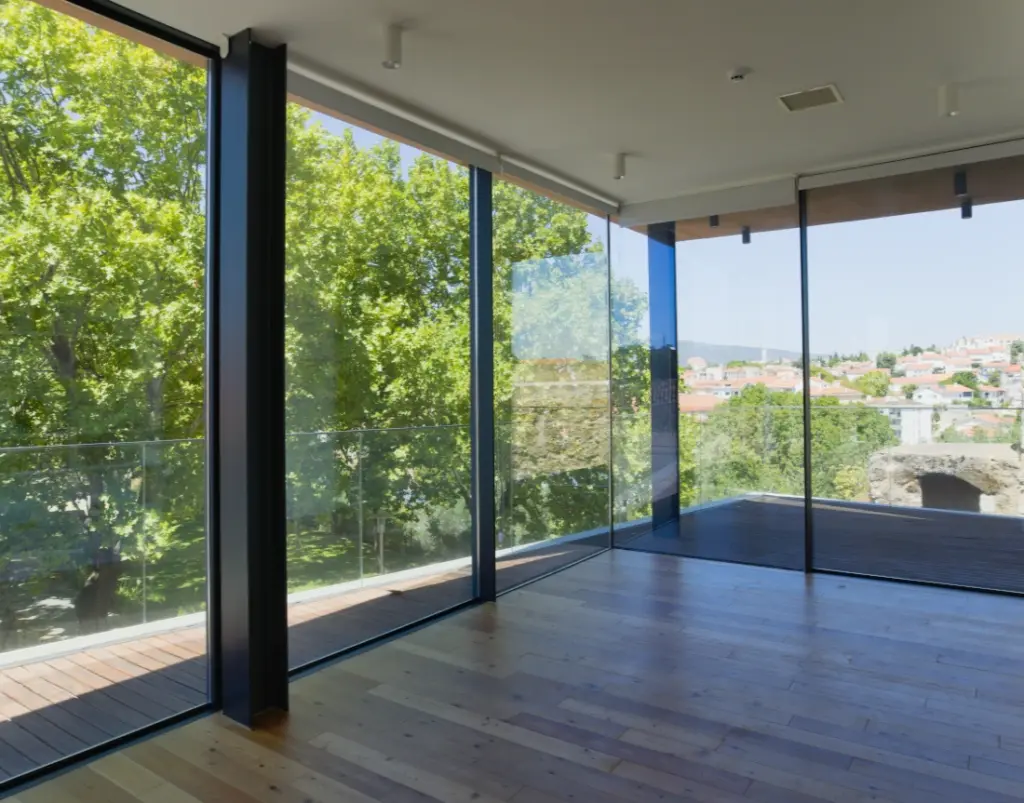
(932, 546)
(66, 703)
(633, 677)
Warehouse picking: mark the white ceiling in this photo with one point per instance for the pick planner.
(568, 83)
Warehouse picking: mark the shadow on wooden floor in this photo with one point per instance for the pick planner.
(58, 707)
(932, 546)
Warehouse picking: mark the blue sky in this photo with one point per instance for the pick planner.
(875, 285)
(364, 138)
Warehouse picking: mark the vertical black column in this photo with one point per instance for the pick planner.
(214, 675)
(481, 312)
(661, 262)
(805, 314)
(252, 575)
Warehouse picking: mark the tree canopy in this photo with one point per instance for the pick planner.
(102, 246)
(754, 443)
(886, 359)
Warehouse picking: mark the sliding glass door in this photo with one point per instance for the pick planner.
(103, 557)
(914, 288)
(552, 384)
(377, 385)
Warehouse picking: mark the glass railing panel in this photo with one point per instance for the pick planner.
(379, 533)
(915, 492)
(99, 537)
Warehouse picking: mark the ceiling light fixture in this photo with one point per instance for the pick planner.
(392, 47)
(960, 183)
(960, 191)
(620, 166)
(746, 235)
(949, 100)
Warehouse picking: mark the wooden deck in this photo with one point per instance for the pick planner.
(640, 678)
(64, 704)
(925, 545)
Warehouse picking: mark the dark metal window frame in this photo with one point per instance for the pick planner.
(664, 365)
(481, 428)
(146, 25)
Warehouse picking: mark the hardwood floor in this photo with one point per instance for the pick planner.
(59, 704)
(633, 677)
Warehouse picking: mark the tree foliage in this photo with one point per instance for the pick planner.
(873, 383)
(1016, 351)
(754, 443)
(968, 379)
(886, 359)
(102, 331)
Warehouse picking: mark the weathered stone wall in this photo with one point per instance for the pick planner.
(995, 469)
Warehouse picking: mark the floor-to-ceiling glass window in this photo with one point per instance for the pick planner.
(552, 364)
(914, 286)
(377, 384)
(102, 326)
(631, 384)
(741, 389)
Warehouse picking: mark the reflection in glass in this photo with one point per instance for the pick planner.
(740, 400)
(377, 393)
(915, 328)
(631, 383)
(102, 466)
(551, 384)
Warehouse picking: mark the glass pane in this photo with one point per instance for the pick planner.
(631, 384)
(377, 350)
(741, 395)
(918, 336)
(552, 366)
(102, 454)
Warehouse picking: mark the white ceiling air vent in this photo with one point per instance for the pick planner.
(811, 98)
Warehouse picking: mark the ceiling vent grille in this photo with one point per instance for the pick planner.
(811, 98)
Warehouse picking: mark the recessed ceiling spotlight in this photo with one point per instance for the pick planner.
(739, 74)
(392, 47)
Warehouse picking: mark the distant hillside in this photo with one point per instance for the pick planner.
(721, 354)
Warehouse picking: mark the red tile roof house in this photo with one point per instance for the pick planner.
(956, 392)
(990, 393)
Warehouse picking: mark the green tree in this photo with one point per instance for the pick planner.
(102, 241)
(754, 443)
(909, 391)
(968, 379)
(102, 237)
(886, 359)
(995, 379)
(1016, 351)
(873, 383)
(837, 358)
